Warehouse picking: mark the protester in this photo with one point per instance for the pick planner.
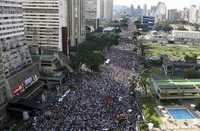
(101, 102)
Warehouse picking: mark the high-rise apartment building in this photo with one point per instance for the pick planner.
(44, 21)
(160, 12)
(53, 26)
(17, 71)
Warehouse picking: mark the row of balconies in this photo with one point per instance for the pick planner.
(18, 59)
(192, 90)
(13, 68)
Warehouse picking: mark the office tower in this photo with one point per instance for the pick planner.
(91, 13)
(108, 10)
(75, 22)
(100, 9)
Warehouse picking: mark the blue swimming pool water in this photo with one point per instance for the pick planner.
(180, 114)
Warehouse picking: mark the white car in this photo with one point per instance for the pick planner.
(107, 61)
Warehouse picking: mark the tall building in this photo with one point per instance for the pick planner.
(17, 71)
(75, 22)
(145, 10)
(53, 26)
(132, 10)
(198, 16)
(100, 9)
(185, 14)
(108, 10)
(44, 21)
(160, 12)
(91, 13)
(173, 14)
(193, 14)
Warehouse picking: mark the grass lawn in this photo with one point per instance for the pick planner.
(147, 104)
(175, 52)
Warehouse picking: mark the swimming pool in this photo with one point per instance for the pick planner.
(180, 113)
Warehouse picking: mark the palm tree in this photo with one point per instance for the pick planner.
(143, 80)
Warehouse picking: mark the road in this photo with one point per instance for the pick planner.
(102, 101)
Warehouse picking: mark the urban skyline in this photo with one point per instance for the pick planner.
(171, 4)
(87, 65)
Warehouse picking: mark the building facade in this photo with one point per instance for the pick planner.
(91, 13)
(186, 35)
(173, 15)
(108, 10)
(75, 22)
(17, 72)
(149, 22)
(53, 26)
(44, 21)
(161, 12)
(193, 14)
(100, 9)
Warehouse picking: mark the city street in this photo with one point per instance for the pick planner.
(102, 101)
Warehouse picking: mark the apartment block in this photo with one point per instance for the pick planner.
(53, 26)
(17, 72)
(91, 12)
(44, 21)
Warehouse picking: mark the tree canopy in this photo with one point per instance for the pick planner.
(90, 52)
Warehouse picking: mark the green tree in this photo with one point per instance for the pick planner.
(144, 80)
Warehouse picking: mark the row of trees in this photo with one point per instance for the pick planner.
(90, 52)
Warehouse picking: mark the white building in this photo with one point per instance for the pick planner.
(185, 14)
(160, 12)
(186, 35)
(53, 26)
(193, 14)
(44, 20)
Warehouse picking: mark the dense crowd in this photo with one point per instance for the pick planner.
(101, 102)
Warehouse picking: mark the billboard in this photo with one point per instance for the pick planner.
(149, 21)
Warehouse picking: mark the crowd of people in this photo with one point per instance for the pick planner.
(101, 102)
